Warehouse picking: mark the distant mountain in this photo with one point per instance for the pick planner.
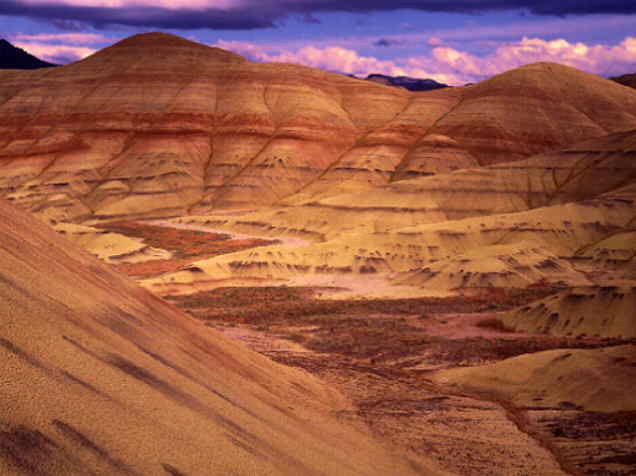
(626, 80)
(412, 84)
(12, 57)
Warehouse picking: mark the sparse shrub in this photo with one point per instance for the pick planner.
(297, 337)
(494, 324)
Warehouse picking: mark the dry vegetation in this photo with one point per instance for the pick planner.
(380, 351)
(382, 330)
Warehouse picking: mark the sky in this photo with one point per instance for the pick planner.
(452, 41)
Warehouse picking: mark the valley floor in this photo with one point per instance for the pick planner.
(381, 354)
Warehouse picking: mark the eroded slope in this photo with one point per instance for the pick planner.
(100, 377)
(605, 311)
(563, 218)
(157, 125)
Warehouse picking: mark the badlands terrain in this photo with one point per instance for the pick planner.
(215, 266)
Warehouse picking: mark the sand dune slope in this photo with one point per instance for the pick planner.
(100, 377)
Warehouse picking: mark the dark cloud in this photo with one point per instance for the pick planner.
(257, 14)
(387, 42)
(99, 17)
(68, 25)
(538, 7)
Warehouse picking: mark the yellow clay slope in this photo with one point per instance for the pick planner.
(599, 380)
(514, 249)
(605, 311)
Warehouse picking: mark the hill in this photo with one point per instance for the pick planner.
(555, 218)
(597, 380)
(603, 311)
(12, 57)
(111, 380)
(166, 127)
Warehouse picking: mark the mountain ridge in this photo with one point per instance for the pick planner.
(12, 57)
(406, 82)
(626, 80)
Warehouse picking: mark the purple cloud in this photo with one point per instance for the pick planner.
(54, 53)
(255, 14)
(249, 18)
(68, 25)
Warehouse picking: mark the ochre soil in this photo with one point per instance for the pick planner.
(379, 353)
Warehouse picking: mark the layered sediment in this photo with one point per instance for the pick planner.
(160, 126)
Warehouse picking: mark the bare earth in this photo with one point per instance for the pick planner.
(381, 352)
(442, 279)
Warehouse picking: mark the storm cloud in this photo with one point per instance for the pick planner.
(131, 14)
(256, 14)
